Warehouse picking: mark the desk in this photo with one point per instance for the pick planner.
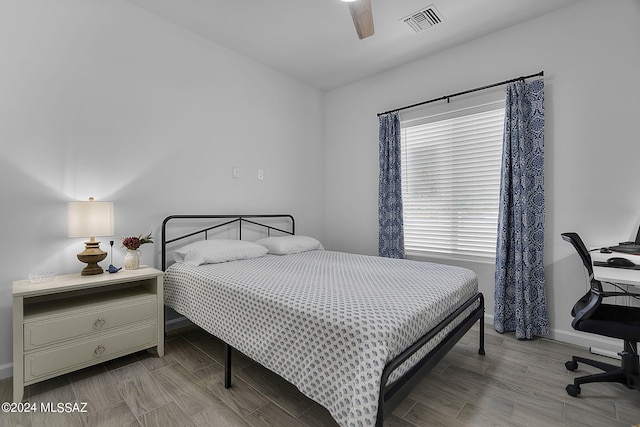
(621, 276)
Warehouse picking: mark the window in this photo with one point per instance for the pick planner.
(451, 182)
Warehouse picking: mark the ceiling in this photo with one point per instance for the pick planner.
(315, 40)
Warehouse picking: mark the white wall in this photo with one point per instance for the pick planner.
(102, 99)
(591, 59)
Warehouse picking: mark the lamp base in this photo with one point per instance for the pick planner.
(92, 255)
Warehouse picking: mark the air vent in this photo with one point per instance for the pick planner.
(423, 19)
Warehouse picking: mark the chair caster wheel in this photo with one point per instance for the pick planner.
(571, 365)
(573, 390)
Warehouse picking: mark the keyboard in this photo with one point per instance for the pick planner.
(633, 248)
(606, 264)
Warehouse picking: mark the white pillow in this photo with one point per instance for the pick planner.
(284, 245)
(218, 250)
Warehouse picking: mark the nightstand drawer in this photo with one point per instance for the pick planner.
(78, 323)
(85, 353)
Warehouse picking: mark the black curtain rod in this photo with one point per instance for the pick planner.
(442, 98)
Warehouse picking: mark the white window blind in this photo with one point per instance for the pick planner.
(451, 184)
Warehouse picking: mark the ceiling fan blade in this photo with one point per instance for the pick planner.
(362, 16)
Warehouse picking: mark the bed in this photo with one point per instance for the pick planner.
(352, 332)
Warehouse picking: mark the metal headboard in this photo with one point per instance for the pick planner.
(231, 219)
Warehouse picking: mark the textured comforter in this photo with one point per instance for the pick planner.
(326, 321)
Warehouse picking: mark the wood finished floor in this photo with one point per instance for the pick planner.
(517, 383)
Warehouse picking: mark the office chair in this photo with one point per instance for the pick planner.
(616, 321)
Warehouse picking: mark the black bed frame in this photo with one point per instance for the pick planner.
(390, 396)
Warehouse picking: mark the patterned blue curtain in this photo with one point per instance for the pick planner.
(390, 224)
(520, 298)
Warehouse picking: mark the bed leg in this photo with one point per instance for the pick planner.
(165, 321)
(227, 365)
(481, 320)
(481, 349)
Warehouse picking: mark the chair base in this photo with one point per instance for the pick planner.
(627, 374)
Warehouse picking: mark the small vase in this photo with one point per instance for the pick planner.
(132, 259)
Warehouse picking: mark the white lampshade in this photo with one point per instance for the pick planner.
(90, 219)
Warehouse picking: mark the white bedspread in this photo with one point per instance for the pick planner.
(326, 321)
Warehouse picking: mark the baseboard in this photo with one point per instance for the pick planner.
(177, 323)
(590, 341)
(587, 340)
(6, 371)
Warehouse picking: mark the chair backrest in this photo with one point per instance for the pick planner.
(585, 307)
(578, 244)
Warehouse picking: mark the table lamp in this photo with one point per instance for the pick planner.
(91, 219)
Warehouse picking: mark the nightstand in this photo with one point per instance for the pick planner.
(77, 321)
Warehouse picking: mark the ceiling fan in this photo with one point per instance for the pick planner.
(362, 16)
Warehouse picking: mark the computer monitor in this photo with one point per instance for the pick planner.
(628, 247)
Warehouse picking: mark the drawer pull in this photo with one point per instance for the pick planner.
(98, 324)
(99, 350)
